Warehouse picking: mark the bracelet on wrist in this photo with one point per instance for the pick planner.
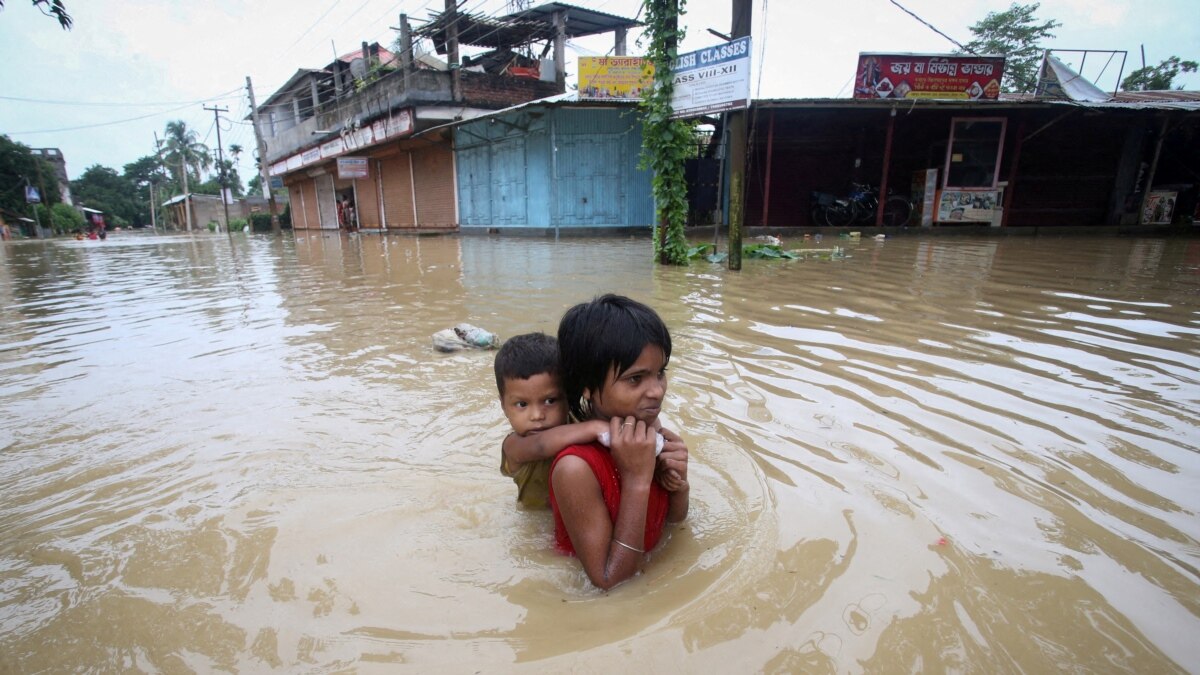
(631, 548)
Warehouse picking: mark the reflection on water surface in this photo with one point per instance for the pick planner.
(961, 453)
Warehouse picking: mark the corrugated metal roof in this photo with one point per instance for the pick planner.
(287, 86)
(1186, 101)
(581, 21)
(1167, 95)
(569, 98)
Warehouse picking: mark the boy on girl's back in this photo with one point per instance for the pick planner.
(531, 395)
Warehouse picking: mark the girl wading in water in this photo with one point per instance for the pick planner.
(608, 508)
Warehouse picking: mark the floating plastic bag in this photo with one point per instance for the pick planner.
(477, 337)
(464, 336)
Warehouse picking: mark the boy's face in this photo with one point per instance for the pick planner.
(638, 391)
(534, 404)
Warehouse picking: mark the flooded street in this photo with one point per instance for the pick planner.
(981, 455)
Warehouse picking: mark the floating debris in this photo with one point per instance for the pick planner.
(464, 336)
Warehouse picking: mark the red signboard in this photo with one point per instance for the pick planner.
(947, 76)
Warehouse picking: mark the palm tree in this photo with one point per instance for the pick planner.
(232, 179)
(185, 152)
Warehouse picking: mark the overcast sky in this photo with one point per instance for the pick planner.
(163, 60)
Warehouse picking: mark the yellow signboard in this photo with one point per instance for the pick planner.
(614, 77)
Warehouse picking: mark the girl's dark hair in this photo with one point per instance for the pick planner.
(596, 337)
(523, 356)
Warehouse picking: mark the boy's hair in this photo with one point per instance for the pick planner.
(523, 356)
(595, 337)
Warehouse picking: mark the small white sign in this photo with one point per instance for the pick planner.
(352, 167)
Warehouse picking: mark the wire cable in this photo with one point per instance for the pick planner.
(100, 124)
(222, 97)
(933, 28)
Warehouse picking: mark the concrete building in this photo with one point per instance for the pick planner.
(368, 134)
(55, 157)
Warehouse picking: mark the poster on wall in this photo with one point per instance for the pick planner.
(936, 76)
(1160, 207)
(967, 206)
(614, 77)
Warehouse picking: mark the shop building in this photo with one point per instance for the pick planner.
(367, 142)
(1057, 159)
(553, 165)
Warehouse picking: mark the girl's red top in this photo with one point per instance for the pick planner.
(601, 462)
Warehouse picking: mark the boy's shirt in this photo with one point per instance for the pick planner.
(532, 479)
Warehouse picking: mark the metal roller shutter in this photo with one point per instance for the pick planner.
(434, 170)
(305, 215)
(326, 201)
(397, 191)
(366, 192)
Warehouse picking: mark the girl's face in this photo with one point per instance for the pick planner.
(638, 391)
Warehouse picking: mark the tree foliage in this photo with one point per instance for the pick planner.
(52, 8)
(106, 190)
(1158, 78)
(212, 186)
(20, 167)
(185, 155)
(1017, 35)
(66, 218)
(666, 142)
(144, 172)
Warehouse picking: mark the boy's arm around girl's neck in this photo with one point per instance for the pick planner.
(548, 443)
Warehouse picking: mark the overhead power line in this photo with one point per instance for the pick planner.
(933, 28)
(115, 104)
(103, 124)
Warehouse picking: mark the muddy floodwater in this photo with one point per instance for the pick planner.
(978, 455)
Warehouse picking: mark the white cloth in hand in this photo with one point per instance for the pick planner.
(606, 440)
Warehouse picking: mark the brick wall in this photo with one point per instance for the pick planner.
(501, 91)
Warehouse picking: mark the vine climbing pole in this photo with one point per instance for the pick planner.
(666, 142)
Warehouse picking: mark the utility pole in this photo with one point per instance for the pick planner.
(452, 49)
(742, 14)
(221, 159)
(37, 164)
(153, 175)
(262, 159)
(158, 170)
(37, 221)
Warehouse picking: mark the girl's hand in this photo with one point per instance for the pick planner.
(673, 461)
(669, 480)
(633, 448)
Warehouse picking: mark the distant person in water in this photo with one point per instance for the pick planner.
(608, 509)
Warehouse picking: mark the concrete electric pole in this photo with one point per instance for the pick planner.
(262, 159)
(216, 111)
(742, 14)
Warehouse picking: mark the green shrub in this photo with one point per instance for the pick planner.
(237, 224)
(285, 218)
(66, 218)
(260, 222)
(41, 215)
(213, 225)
